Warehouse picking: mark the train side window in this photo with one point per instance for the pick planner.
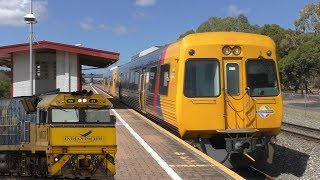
(136, 80)
(131, 80)
(164, 79)
(127, 81)
(43, 116)
(152, 79)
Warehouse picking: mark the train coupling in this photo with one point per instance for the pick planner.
(240, 145)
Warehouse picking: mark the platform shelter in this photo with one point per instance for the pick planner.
(55, 65)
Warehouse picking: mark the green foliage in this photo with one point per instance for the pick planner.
(186, 33)
(4, 84)
(301, 65)
(238, 24)
(276, 32)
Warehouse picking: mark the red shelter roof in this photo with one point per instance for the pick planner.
(87, 56)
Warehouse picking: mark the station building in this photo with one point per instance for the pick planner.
(55, 66)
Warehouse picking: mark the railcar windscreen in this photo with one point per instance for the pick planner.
(202, 78)
(262, 78)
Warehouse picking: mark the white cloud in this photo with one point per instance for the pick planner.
(120, 29)
(234, 11)
(144, 3)
(89, 24)
(12, 11)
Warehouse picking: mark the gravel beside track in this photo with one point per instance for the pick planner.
(295, 158)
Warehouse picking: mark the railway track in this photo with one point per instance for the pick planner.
(301, 131)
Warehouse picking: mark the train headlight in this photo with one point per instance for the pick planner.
(56, 159)
(236, 50)
(79, 100)
(84, 100)
(226, 50)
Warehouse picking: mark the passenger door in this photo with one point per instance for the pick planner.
(142, 90)
(234, 94)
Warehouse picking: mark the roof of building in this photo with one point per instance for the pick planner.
(87, 56)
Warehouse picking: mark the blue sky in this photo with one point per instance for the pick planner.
(130, 26)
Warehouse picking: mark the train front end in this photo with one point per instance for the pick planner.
(82, 135)
(231, 103)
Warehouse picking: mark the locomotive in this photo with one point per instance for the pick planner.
(68, 135)
(220, 91)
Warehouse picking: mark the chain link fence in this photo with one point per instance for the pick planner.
(302, 105)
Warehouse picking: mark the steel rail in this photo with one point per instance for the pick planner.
(308, 133)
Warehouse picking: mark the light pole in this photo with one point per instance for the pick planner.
(30, 19)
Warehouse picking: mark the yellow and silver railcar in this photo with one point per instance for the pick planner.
(220, 90)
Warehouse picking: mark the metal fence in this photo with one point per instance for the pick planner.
(14, 122)
(303, 105)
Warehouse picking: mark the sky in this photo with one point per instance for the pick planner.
(130, 26)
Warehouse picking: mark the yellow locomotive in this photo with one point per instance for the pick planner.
(72, 135)
(218, 90)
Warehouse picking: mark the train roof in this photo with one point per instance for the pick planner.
(69, 100)
(240, 38)
(144, 60)
(197, 39)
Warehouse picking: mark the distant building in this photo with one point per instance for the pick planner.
(55, 65)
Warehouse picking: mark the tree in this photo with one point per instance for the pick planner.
(4, 84)
(276, 32)
(238, 24)
(186, 33)
(300, 66)
(309, 20)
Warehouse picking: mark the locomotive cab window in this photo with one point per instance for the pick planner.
(262, 78)
(65, 115)
(42, 116)
(164, 79)
(96, 115)
(81, 116)
(201, 78)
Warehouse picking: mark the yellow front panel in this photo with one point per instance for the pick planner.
(224, 111)
(88, 136)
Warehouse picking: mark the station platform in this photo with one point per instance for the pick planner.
(147, 151)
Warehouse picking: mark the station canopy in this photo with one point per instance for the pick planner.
(87, 56)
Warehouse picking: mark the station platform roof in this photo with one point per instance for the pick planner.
(87, 56)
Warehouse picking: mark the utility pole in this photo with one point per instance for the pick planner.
(30, 19)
